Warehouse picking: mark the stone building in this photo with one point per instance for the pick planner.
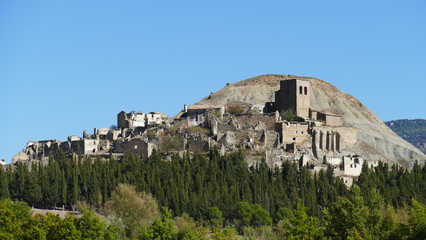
(351, 165)
(312, 137)
(294, 97)
(85, 146)
(154, 118)
(198, 145)
(292, 133)
(325, 119)
(196, 115)
(130, 120)
(138, 147)
(328, 139)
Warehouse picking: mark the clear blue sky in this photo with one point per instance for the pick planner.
(67, 66)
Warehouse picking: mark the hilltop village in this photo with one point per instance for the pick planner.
(285, 129)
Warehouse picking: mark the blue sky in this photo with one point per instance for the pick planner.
(67, 66)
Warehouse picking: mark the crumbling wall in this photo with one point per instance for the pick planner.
(292, 132)
(325, 119)
(137, 147)
(334, 139)
(270, 139)
(154, 118)
(113, 135)
(198, 145)
(130, 120)
(118, 146)
(332, 120)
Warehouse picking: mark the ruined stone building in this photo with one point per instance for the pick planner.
(138, 147)
(288, 128)
(132, 119)
(293, 97)
(196, 115)
(129, 138)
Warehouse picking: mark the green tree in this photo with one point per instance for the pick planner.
(284, 213)
(215, 217)
(260, 216)
(300, 226)
(75, 188)
(57, 228)
(135, 209)
(226, 233)
(417, 221)
(186, 228)
(347, 218)
(17, 184)
(243, 215)
(33, 194)
(4, 184)
(161, 229)
(13, 216)
(51, 183)
(251, 215)
(93, 228)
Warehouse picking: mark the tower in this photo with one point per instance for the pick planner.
(294, 96)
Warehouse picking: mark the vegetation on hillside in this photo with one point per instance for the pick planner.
(413, 131)
(213, 197)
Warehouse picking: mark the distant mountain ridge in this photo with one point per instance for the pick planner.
(412, 131)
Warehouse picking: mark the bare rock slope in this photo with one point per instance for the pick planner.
(375, 140)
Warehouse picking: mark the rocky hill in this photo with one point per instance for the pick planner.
(375, 141)
(413, 131)
(272, 117)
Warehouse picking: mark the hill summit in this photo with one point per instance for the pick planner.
(371, 139)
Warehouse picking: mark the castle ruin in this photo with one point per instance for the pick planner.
(286, 129)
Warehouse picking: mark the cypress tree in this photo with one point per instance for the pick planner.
(33, 194)
(4, 184)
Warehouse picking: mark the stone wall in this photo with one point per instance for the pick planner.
(334, 139)
(351, 166)
(198, 145)
(137, 147)
(270, 139)
(292, 132)
(154, 118)
(130, 120)
(333, 120)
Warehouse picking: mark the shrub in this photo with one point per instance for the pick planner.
(289, 115)
(135, 209)
(235, 109)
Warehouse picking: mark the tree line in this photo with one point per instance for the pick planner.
(221, 191)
